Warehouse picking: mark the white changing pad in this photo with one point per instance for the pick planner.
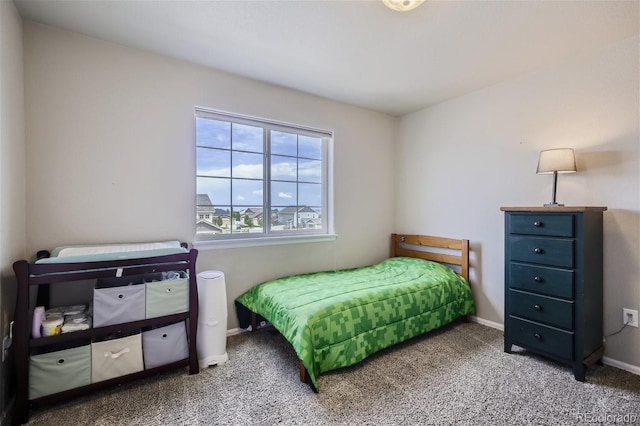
(89, 253)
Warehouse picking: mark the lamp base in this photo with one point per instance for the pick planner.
(554, 205)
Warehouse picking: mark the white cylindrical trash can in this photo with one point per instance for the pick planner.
(211, 341)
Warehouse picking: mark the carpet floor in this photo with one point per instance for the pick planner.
(458, 375)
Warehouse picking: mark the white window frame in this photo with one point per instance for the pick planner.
(269, 237)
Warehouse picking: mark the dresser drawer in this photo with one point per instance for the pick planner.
(544, 251)
(540, 279)
(547, 310)
(542, 338)
(540, 224)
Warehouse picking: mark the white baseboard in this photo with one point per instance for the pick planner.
(237, 330)
(605, 360)
(487, 322)
(621, 365)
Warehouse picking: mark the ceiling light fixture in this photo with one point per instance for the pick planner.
(402, 5)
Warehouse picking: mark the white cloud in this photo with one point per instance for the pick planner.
(252, 171)
(216, 171)
(283, 170)
(240, 198)
(284, 195)
(310, 169)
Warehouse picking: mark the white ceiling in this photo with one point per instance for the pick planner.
(358, 52)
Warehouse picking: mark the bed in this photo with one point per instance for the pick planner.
(335, 319)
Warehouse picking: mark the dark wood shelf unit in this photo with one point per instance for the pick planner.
(30, 275)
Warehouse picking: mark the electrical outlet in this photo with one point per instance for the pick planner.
(626, 313)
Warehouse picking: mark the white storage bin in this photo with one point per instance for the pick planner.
(117, 305)
(167, 297)
(116, 357)
(59, 371)
(165, 345)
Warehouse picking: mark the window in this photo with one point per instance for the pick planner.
(259, 178)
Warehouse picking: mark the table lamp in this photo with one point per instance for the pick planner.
(554, 161)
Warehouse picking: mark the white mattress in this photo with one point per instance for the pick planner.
(88, 253)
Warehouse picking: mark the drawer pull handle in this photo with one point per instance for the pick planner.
(537, 279)
(537, 250)
(538, 336)
(537, 224)
(537, 307)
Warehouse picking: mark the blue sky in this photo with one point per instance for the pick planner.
(238, 152)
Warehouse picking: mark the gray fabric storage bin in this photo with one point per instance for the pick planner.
(116, 357)
(165, 345)
(167, 297)
(59, 371)
(117, 305)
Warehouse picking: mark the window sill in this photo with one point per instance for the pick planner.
(257, 242)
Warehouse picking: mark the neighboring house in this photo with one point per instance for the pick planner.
(206, 230)
(210, 219)
(204, 209)
(222, 218)
(254, 213)
(299, 217)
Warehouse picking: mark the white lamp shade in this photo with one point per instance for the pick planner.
(402, 5)
(559, 160)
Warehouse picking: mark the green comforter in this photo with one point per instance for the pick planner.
(336, 319)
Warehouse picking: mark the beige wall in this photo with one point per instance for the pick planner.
(111, 157)
(460, 161)
(12, 204)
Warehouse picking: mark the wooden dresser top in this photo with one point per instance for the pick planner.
(554, 209)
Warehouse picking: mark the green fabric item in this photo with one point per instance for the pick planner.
(335, 319)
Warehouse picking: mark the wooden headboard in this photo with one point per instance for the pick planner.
(449, 250)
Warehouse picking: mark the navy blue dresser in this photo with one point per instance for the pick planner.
(553, 283)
